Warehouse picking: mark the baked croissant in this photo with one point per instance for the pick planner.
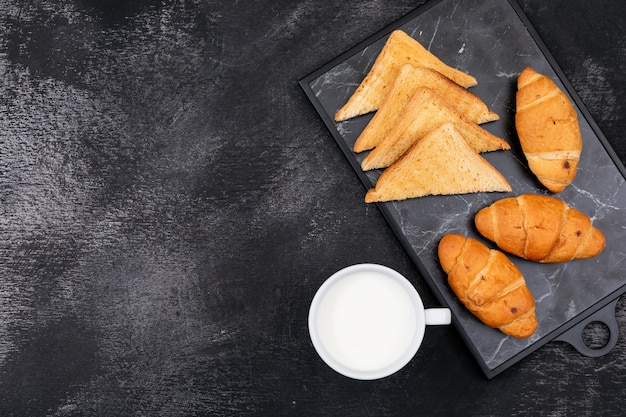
(548, 131)
(539, 228)
(489, 285)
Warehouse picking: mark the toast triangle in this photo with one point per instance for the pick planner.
(441, 163)
(425, 111)
(399, 49)
(407, 81)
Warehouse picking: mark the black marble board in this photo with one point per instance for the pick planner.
(493, 41)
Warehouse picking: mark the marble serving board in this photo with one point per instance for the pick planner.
(493, 41)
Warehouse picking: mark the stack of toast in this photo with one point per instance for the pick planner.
(425, 132)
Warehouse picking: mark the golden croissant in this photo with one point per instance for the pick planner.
(548, 131)
(489, 285)
(539, 228)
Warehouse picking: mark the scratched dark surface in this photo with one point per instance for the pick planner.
(170, 202)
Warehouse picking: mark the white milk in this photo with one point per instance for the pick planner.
(366, 321)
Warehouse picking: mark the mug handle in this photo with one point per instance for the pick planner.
(437, 316)
(574, 336)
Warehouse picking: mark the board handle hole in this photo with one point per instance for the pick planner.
(596, 335)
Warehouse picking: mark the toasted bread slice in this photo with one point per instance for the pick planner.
(408, 80)
(425, 111)
(441, 163)
(399, 49)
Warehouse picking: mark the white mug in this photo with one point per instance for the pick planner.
(367, 321)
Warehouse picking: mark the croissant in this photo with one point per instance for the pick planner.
(489, 285)
(539, 228)
(548, 131)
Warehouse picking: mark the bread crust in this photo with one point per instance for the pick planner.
(441, 163)
(540, 228)
(489, 285)
(399, 49)
(406, 83)
(548, 130)
(426, 111)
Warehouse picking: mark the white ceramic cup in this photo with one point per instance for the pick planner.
(367, 321)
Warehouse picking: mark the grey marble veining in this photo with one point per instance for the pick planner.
(488, 40)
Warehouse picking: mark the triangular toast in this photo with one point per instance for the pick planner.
(441, 163)
(425, 111)
(399, 49)
(408, 80)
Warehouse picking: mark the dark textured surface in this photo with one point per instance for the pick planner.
(170, 202)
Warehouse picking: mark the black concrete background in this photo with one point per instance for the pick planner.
(170, 202)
